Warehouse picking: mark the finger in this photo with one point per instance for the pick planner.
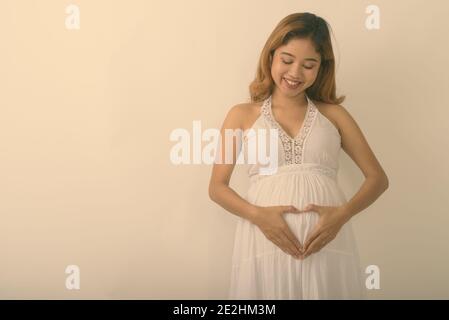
(277, 241)
(315, 246)
(294, 251)
(292, 238)
(286, 244)
(315, 232)
(308, 207)
(289, 209)
(312, 207)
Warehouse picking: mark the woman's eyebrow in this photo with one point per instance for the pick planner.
(289, 54)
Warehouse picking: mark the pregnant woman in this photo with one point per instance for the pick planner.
(294, 238)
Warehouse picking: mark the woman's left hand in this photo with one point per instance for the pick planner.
(331, 219)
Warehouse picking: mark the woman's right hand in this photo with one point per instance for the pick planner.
(271, 222)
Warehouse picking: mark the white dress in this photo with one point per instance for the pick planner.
(306, 173)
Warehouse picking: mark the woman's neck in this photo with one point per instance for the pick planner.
(282, 101)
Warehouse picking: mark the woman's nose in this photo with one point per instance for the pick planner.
(295, 75)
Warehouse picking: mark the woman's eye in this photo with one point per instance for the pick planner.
(289, 62)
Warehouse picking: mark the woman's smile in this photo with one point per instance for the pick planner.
(292, 84)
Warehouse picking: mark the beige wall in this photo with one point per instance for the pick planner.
(85, 119)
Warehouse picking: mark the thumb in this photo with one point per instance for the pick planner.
(290, 209)
(311, 207)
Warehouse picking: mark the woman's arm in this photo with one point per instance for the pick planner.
(356, 146)
(268, 219)
(219, 190)
(376, 182)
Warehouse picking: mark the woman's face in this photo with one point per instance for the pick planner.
(296, 61)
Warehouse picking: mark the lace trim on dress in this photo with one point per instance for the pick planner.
(293, 147)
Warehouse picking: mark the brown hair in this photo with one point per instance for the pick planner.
(304, 26)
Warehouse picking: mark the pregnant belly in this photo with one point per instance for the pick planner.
(299, 190)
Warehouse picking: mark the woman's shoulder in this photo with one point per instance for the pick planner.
(246, 113)
(337, 114)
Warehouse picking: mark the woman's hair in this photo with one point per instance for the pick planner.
(303, 26)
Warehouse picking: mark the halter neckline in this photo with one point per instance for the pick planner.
(293, 146)
(279, 126)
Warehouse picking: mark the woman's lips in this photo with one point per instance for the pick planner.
(295, 86)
